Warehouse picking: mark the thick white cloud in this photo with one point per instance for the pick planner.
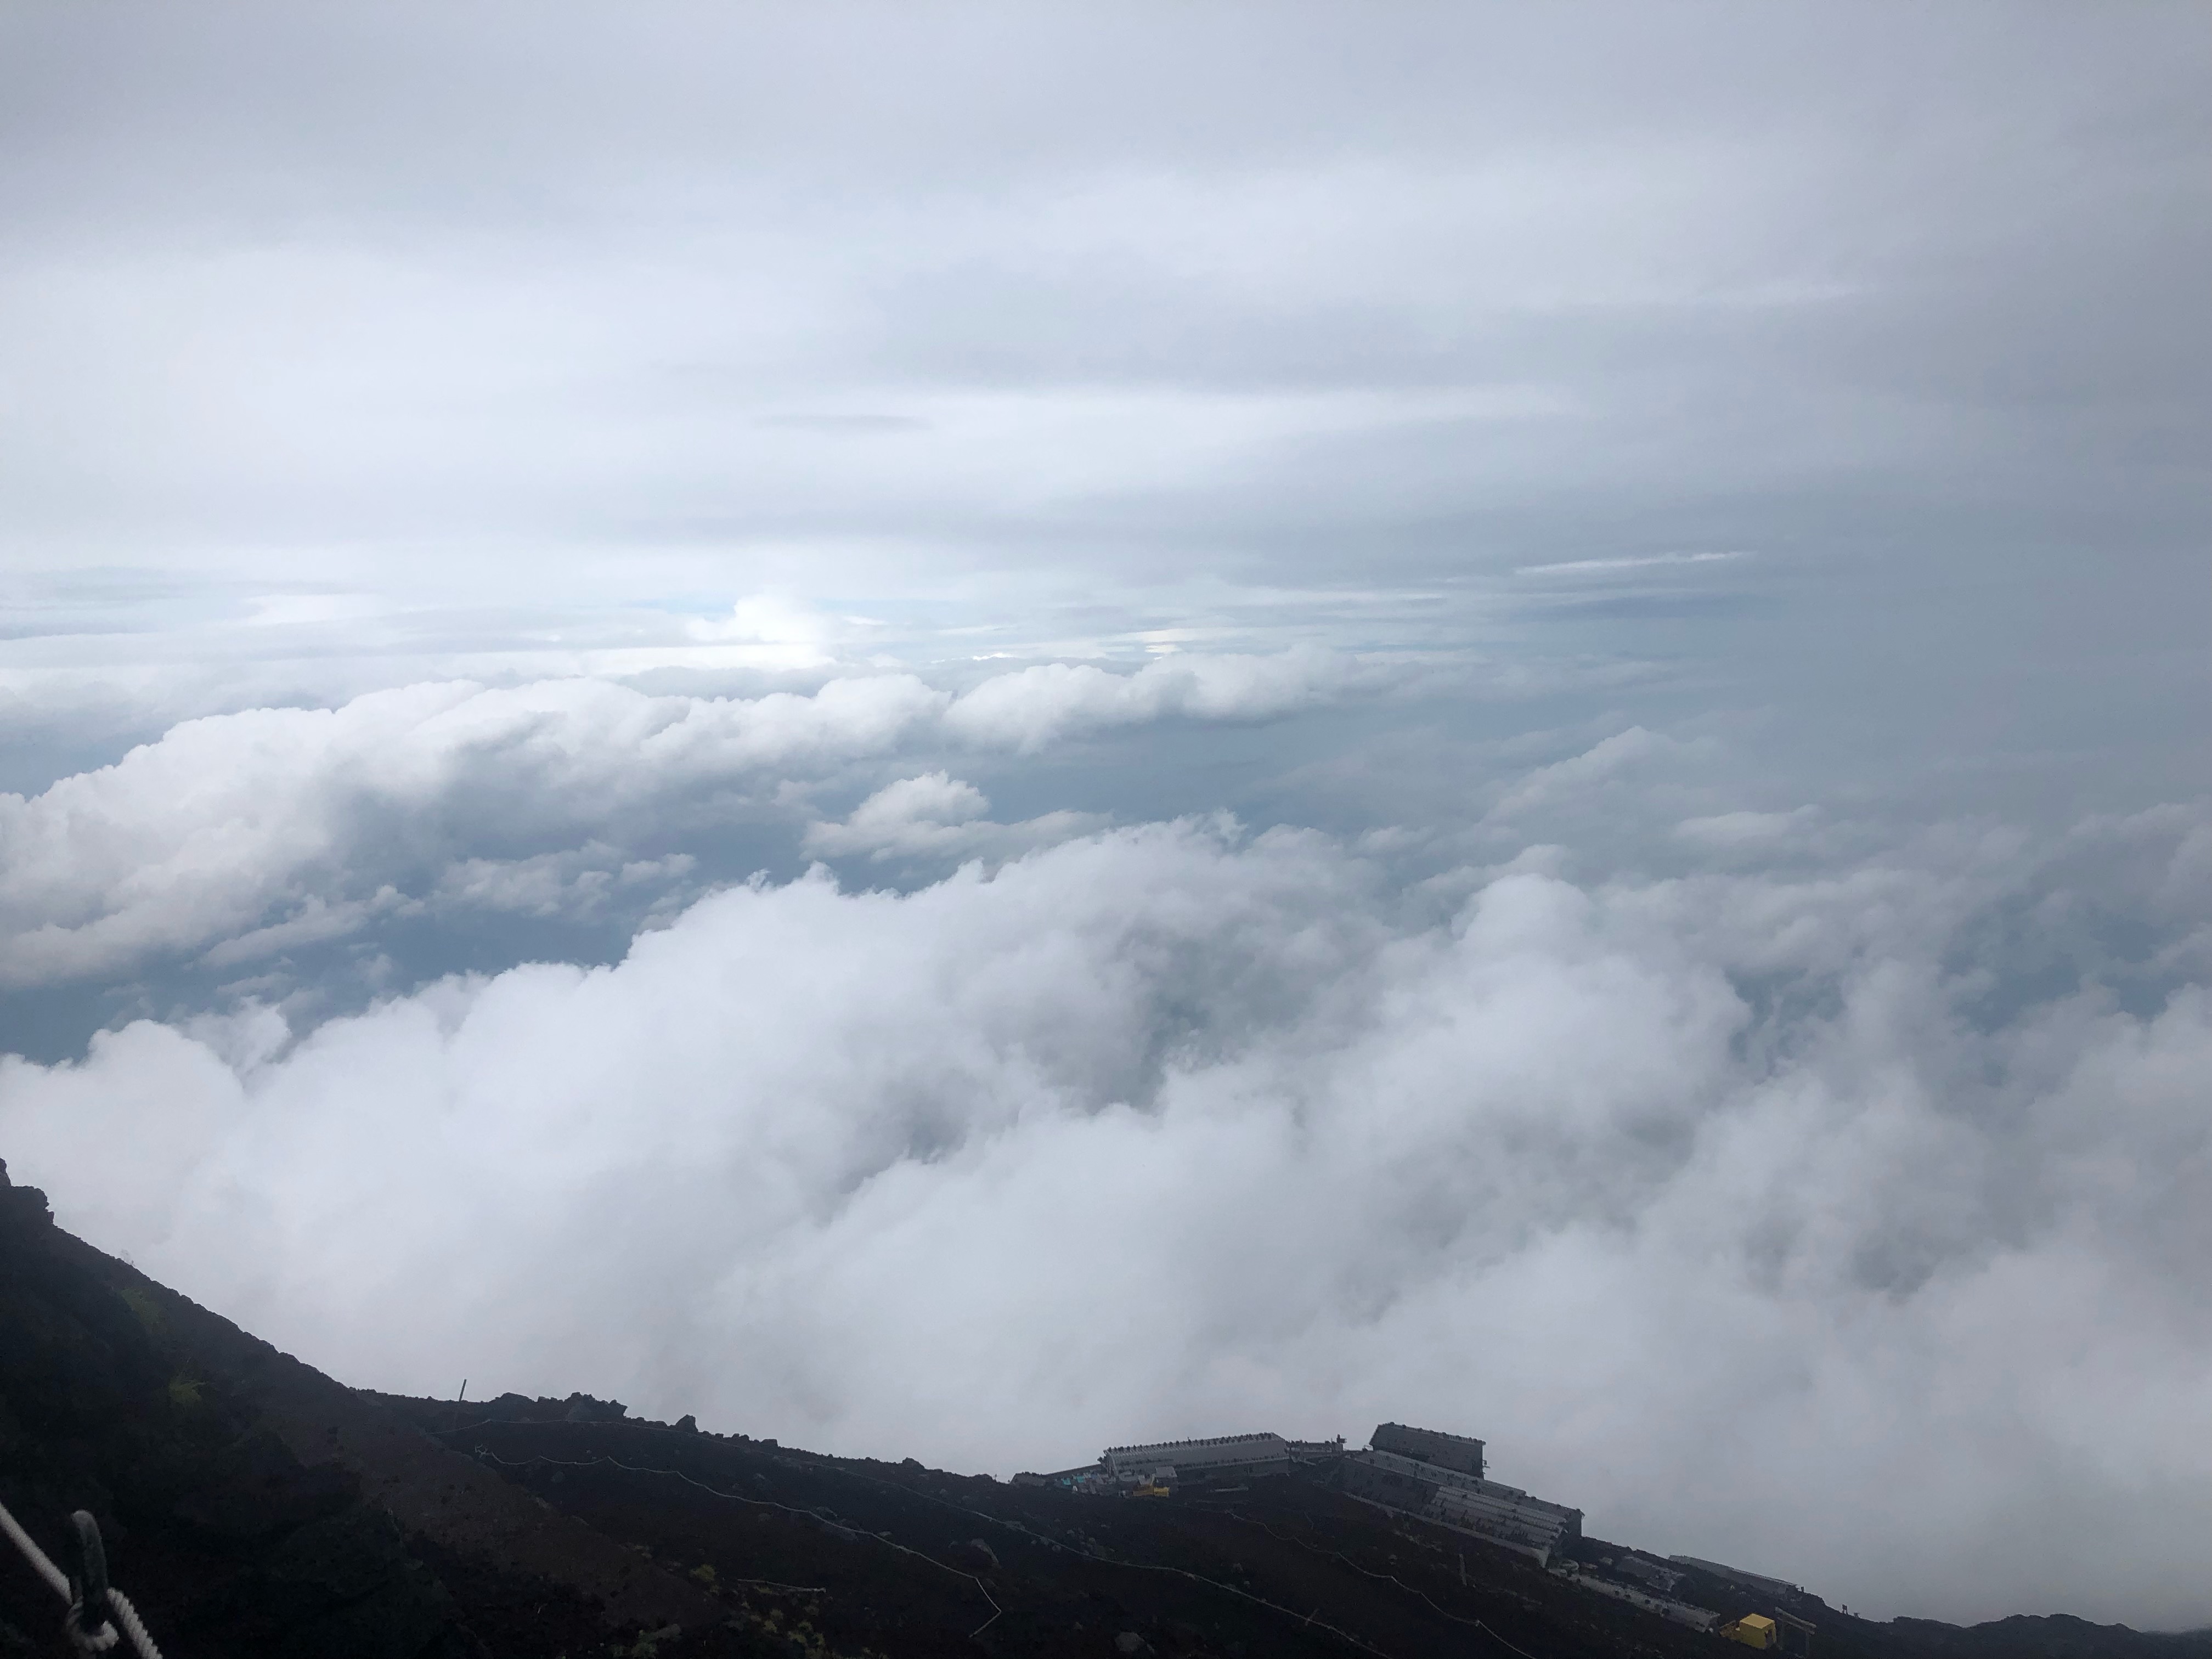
(194, 838)
(1029, 708)
(252, 832)
(936, 816)
(1732, 1208)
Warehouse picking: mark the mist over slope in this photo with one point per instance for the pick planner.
(249, 1502)
(1815, 1163)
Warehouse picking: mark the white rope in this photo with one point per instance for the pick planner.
(99, 1641)
(84, 1641)
(133, 1627)
(37, 1557)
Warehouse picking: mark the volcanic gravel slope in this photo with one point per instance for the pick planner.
(252, 1504)
(897, 1558)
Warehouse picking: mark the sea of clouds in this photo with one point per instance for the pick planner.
(1826, 1194)
(969, 732)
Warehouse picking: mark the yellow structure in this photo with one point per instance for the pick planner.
(1754, 1629)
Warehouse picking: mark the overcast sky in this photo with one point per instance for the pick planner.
(970, 731)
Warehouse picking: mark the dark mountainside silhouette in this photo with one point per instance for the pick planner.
(251, 1504)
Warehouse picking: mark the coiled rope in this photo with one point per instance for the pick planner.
(95, 1588)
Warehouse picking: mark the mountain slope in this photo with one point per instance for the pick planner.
(251, 1504)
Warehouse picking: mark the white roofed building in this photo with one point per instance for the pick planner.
(1505, 1515)
(1221, 1457)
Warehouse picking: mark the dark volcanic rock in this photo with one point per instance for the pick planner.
(210, 1520)
(255, 1488)
(344, 1584)
(247, 1501)
(583, 1409)
(2056, 1636)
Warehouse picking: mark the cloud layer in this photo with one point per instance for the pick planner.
(333, 341)
(247, 834)
(1766, 1215)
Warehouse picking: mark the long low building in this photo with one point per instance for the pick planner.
(1501, 1515)
(1222, 1457)
(1450, 1451)
(1757, 1581)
